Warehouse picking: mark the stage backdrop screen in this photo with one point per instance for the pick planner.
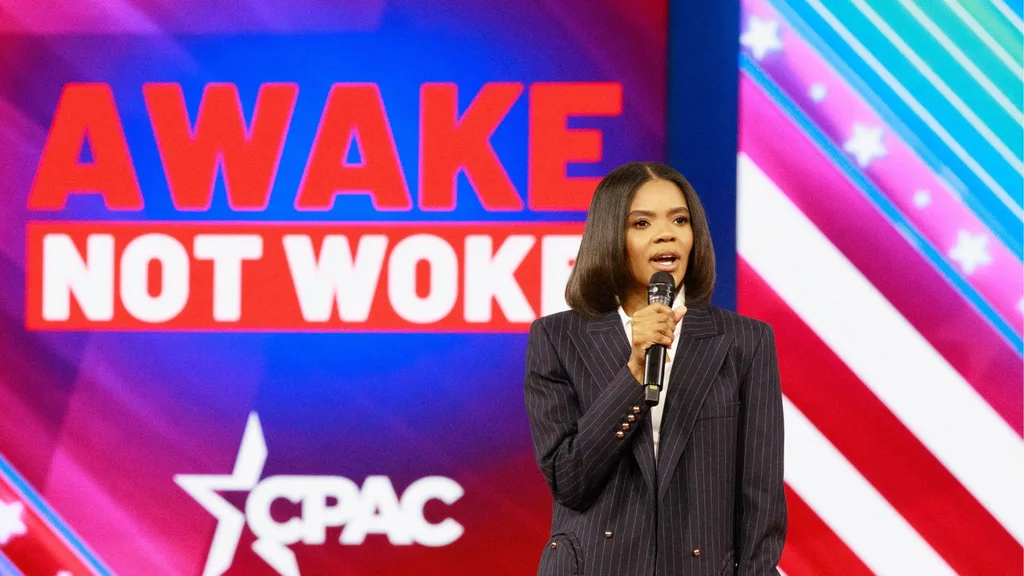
(880, 232)
(267, 268)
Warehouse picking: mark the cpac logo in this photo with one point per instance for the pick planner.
(373, 509)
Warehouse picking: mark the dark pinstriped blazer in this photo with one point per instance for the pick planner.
(713, 504)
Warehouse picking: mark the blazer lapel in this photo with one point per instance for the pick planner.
(605, 351)
(604, 346)
(701, 353)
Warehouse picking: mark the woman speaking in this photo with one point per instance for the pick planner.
(688, 482)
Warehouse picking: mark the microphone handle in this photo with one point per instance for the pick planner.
(654, 374)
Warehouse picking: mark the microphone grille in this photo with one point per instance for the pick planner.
(661, 289)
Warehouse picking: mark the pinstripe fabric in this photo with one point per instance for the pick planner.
(719, 478)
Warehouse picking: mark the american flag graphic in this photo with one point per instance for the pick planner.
(880, 233)
(33, 538)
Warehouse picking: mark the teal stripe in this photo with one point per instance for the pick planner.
(1002, 219)
(971, 45)
(937, 105)
(924, 90)
(1009, 37)
(942, 62)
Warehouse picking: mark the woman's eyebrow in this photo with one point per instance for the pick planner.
(649, 214)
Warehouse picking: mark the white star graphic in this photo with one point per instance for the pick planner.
(818, 91)
(971, 251)
(64, 573)
(252, 454)
(1020, 305)
(922, 198)
(761, 37)
(865, 144)
(11, 524)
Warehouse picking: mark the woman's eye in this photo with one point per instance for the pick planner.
(682, 220)
(640, 224)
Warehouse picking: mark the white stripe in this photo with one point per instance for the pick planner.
(963, 60)
(926, 71)
(987, 39)
(881, 347)
(1010, 16)
(918, 109)
(844, 500)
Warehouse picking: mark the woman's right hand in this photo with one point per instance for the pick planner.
(652, 324)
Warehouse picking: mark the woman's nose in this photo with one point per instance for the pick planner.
(664, 235)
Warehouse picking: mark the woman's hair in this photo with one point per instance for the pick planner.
(601, 275)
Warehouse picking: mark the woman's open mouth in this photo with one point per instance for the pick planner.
(666, 261)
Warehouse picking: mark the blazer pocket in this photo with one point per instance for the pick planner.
(561, 556)
(709, 411)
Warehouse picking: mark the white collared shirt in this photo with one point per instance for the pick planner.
(656, 411)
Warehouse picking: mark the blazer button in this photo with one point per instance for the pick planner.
(631, 418)
(696, 553)
(636, 409)
(625, 425)
(620, 434)
(607, 533)
(554, 545)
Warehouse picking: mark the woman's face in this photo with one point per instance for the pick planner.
(658, 235)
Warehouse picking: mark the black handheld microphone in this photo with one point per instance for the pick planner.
(660, 290)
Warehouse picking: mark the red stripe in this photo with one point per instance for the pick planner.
(812, 549)
(922, 295)
(889, 456)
